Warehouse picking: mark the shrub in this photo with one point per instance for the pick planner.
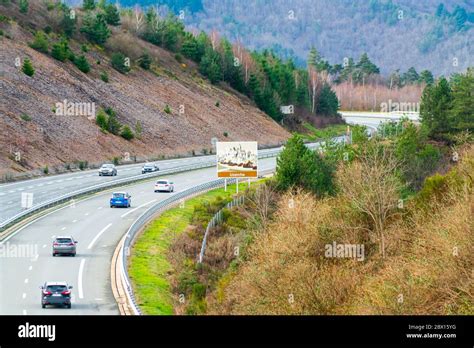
(138, 129)
(104, 76)
(113, 125)
(84, 48)
(88, 5)
(127, 133)
(112, 15)
(40, 42)
(83, 165)
(96, 28)
(167, 109)
(178, 57)
(226, 134)
(23, 5)
(101, 120)
(116, 161)
(218, 104)
(48, 29)
(25, 117)
(82, 64)
(27, 68)
(46, 170)
(299, 166)
(118, 63)
(145, 61)
(60, 51)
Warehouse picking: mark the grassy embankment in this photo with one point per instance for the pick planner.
(331, 131)
(149, 265)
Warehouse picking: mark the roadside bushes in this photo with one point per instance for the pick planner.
(298, 166)
(108, 123)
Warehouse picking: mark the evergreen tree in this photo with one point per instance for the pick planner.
(145, 61)
(119, 63)
(410, 77)
(60, 50)
(210, 66)
(426, 77)
(328, 104)
(461, 115)
(88, 5)
(113, 125)
(127, 133)
(366, 65)
(112, 15)
(82, 64)
(189, 48)
(96, 28)
(434, 109)
(460, 17)
(27, 67)
(40, 43)
(68, 23)
(24, 5)
(254, 90)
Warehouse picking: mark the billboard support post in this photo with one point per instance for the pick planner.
(237, 183)
(249, 182)
(225, 185)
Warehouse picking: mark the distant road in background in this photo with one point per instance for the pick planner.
(374, 119)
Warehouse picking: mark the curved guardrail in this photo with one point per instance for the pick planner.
(143, 219)
(110, 184)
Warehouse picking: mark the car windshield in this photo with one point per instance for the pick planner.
(63, 240)
(162, 182)
(56, 288)
(149, 165)
(118, 195)
(107, 166)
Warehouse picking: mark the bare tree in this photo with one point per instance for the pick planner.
(372, 187)
(263, 200)
(316, 81)
(138, 18)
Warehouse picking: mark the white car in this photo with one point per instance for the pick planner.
(108, 169)
(164, 185)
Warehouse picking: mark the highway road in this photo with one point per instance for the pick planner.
(98, 229)
(49, 187)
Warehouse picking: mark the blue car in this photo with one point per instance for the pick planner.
(120, 199)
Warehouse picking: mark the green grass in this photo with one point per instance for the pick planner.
(323, 133)
(149, 267)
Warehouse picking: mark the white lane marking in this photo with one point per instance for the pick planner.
(44, 246)
(23, 296)
(39, 185)
(98, 299)
(2, 194)
(99, 208)
(26, 281)
(20, 189)
(30, 187)
(30, 268)
(86, 214)
(79, 279)
(24, 312)
(11, 191)
(62, 229)
(98, 235)
(74, 221)
(140, 206)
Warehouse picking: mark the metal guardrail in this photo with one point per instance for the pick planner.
(110, 184)
(146, 217)
(217, 220)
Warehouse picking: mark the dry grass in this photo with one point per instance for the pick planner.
(428, 268)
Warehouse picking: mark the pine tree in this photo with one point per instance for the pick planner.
(27, 67)
(118, 63)
(112, 15)
(40, 42)
(328, 104)
(145, 61)
(60, 51)
(96, 28)
(410, 77)
(461, 115)
(426, 77)
(82, 64)
(88, 5)
(24, 5)
(434, 109)
(211, 66)
(189, 48)
(68, 23)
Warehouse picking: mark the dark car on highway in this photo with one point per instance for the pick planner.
(56, 293)
(149, 167)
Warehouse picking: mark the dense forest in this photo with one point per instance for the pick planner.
(398, 34)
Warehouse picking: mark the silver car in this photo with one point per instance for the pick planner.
(64, 245)
(149, 167)
(108, 169)
(56, 293)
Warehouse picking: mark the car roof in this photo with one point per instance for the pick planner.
(108, 164)
(120, 192)
(57, 237)
(55, 283)
(149, 164)
(163, 180)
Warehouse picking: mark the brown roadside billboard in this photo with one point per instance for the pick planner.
(237, 159)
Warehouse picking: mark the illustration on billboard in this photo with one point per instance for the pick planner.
(237, 159)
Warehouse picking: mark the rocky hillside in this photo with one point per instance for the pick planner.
(197, 112)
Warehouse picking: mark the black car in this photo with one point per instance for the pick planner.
(149, 167)
(56, 293)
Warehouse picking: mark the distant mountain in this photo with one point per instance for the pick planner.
(397, 34)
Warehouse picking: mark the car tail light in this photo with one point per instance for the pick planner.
(55, 244)
(66, 292)
(71, 244)
(167, 185)
(47, 292)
